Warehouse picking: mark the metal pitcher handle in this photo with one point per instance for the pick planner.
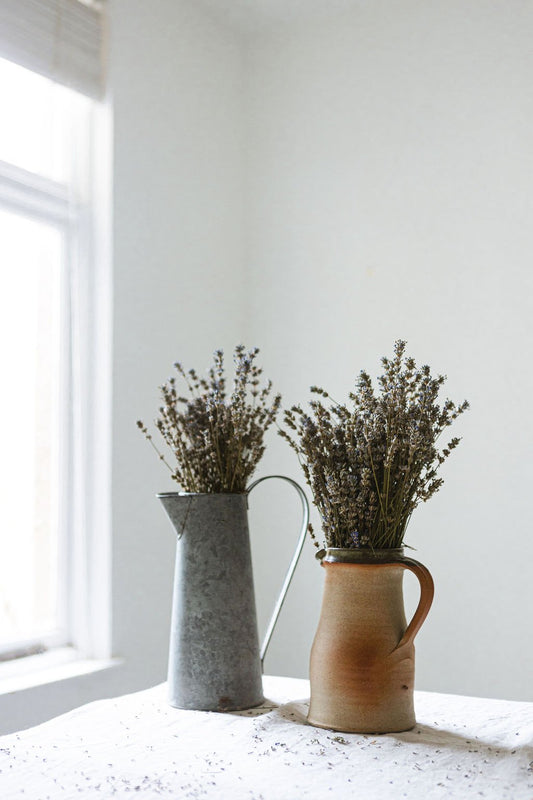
(294, 562)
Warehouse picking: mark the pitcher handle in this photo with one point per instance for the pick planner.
(427, 591)
(294, 562)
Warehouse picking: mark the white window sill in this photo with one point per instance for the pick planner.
(58, 664)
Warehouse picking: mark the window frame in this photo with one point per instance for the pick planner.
(82, 214)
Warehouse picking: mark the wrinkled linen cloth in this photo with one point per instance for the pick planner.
(139, 746)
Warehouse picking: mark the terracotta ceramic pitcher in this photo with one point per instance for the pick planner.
(362, 660)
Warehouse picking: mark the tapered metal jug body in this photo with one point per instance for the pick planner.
(214, 660)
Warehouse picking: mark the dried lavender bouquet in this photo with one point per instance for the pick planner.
(370, 466)
(216, 437)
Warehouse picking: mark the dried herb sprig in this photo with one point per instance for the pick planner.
(216, 437)
(370, 466)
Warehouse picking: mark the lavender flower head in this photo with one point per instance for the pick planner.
(216, 437)
(370, 465)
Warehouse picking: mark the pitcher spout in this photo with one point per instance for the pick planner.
(177, 506)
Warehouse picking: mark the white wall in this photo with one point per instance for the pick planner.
(390, 173)
(178, 186)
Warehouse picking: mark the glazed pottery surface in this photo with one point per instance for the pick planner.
(362, 659)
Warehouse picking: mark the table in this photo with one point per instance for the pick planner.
(138, 746)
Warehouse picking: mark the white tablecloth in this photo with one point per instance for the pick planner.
(138, 746)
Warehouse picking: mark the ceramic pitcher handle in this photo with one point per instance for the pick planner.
(294, 562)
(424, 604)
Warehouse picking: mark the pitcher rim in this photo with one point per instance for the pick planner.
(360, 555)
(201, 494)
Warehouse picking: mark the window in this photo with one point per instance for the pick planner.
(33, 259)
(53, 413)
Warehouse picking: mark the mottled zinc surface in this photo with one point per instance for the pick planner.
(214, 659)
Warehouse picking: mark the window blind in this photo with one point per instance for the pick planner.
(61, 39)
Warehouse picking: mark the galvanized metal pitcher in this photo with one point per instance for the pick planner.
(215, 662)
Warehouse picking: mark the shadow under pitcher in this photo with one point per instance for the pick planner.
(215, 662)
